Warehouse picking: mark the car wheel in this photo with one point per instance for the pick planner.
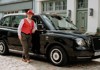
(58, 56)
(3, 48)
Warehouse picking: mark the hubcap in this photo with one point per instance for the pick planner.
(1, 46)
(56, 56)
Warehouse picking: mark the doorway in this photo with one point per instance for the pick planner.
(82, 14)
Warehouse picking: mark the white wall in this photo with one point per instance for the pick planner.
(93, 20)
(37, 6)
(99, 15)
(71, 5)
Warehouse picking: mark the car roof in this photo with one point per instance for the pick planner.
(24, 14)
(14, 14)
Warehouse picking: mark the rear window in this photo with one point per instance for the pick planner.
(5, 21)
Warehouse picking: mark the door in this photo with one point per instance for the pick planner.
(82, 14)
(13, 40)
(82, 20)
(36, 37)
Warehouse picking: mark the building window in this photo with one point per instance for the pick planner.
(47, 6)
(50, 6)
(10, 12)
(82, 4)
(60, 5)
(54, 5)
(64, 5)
(57, 5)
(44, 6)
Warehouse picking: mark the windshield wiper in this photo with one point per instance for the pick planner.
(63, 28)
(72, 29)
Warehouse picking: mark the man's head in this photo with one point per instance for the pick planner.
(29, 14)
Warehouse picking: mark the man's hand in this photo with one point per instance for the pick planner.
(34, 31)
(20, 37)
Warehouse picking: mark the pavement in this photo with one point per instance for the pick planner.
(14, 62)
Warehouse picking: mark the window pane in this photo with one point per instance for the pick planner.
(16, 20)
(60, 5)
(43, 6)
(82, 3)
(54, 5)
(50, 6)
(57, 5)
(64, 5)
(1, 22)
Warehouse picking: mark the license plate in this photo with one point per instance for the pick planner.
(96, 53)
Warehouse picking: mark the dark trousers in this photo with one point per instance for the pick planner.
(26, 44)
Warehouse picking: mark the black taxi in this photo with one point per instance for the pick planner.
(56, 37)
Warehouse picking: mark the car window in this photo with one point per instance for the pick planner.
(38, 21)
(1, 21)
(5, 21)
(16, 20)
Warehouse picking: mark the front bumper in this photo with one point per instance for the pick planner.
(81, 55)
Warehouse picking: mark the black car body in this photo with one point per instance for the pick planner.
(56, 38)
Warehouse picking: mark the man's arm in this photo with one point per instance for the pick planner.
(20, 27)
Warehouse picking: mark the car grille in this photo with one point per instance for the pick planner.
(96, 43)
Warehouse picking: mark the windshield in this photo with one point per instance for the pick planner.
(59, 22)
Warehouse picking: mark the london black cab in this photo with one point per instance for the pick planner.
(56, 38)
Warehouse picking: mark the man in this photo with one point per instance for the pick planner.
(25, 29)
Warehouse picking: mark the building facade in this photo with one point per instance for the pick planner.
(83, 13)
(15, 6)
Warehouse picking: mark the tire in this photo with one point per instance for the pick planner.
(3, 48)
(58, 56)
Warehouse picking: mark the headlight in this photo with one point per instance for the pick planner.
(80, 42)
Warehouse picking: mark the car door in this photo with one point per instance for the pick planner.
(37, 36)
(13, 40)
(5, 27)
